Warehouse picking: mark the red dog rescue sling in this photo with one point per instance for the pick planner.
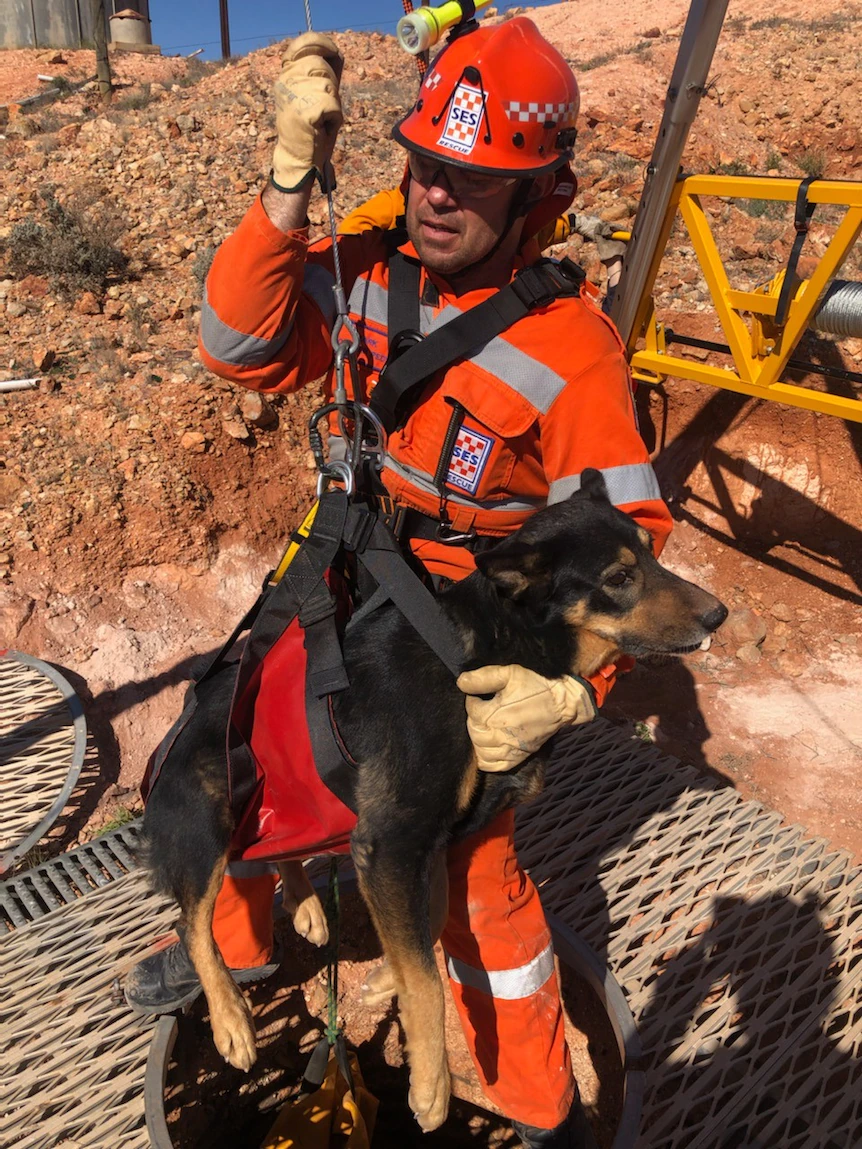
(291, 779)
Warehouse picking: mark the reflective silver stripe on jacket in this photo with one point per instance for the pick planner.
(337, 448)
(505, 984)
(230, 346)
(529, 377)
(318, 284)
(629, 483)
(424, 482)
(369, 300)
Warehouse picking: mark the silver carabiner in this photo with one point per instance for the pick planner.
(339, 470)
(379, 448)
(342, 351)
(450, 538)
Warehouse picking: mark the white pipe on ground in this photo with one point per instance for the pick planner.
(18, 384)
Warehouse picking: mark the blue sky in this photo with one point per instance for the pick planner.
(181, 26)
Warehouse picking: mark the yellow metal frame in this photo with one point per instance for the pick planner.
(760, 350)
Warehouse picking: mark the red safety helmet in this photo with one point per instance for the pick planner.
(499, 99)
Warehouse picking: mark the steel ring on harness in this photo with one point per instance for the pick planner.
(379, 448)
(339, 471)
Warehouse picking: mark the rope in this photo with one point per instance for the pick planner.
(333, 917)
(308, 16)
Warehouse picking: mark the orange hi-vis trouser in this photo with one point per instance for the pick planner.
(501, 970)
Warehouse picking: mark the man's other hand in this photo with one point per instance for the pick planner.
(526, 709)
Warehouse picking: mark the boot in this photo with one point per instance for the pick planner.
(573, 1133)
(167, 981)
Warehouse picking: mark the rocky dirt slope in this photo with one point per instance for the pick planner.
(142, 499)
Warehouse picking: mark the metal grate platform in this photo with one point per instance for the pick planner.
(68, 878)
(43, 737)
(72, 1056)
(737, 941)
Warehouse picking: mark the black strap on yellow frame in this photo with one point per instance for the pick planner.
(801, 221)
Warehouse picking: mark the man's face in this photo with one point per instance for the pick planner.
(451, 229)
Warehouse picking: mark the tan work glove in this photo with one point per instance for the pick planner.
(523, 714)
(600, 232)
(308, 109)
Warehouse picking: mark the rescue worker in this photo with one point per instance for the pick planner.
(488, 143)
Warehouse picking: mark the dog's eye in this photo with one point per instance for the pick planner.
(618, 578)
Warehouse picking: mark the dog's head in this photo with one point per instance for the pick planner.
(586, 567)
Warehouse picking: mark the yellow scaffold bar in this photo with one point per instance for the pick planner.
(759, 346)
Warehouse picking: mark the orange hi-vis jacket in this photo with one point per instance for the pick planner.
(548, 398)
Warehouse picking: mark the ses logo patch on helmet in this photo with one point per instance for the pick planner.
(465, 116)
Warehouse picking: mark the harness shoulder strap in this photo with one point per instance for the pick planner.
(533, 287)
(383, 559)
(405, 275)
(377, 550)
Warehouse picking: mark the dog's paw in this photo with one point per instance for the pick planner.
(379, 986)
(429, 1099)
(233, 1033)
(309, 921)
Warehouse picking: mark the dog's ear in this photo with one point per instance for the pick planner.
(593, 485)
(516, 570)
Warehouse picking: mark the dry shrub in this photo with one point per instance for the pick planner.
(73, 244)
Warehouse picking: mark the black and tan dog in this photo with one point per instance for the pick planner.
(573, 589)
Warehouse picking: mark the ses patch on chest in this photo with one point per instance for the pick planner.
(469, 458)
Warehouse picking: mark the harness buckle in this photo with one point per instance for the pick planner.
(532, 288)
(541, 284)
(393, 514)
(445, 535)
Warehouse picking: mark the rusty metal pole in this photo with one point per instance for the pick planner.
(225, 29)
(100, 42)
(687, 85)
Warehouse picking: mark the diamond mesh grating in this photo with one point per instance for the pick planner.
(72, 1056)
(737, 941)
(42, 744)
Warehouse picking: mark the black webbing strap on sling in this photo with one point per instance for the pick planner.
(532, 287)
(377, 550)
(303, 591)
(801, 221)
(383, 559)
